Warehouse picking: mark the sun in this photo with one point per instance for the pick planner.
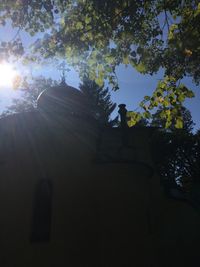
(8, 75)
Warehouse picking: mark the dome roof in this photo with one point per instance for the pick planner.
(63, 99)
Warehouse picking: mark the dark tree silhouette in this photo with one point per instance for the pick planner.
(142, 122)
(30, 90)
(177, 158)
(177, 152)
(100, 102)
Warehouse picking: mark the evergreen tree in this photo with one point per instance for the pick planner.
(100, 102)
(176, 152)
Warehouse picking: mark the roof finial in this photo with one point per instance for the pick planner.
(63, 68)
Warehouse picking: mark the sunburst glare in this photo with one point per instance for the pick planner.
(8, 75)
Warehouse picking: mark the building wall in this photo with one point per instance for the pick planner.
(108, 208)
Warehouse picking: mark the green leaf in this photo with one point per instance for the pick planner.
(125, 60)
(168, 123)
(190, 94)
(166, 103)
(87, 20)
(173, 27)
(141, 68)
(99, 80)
(133, 118)
(147, 115)
(168, 112)
(79, 25)
(179, 123)
(147, 98)
(181, 97)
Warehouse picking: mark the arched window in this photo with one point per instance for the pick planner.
(42, 209)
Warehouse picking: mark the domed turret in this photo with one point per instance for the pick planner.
(62, 100)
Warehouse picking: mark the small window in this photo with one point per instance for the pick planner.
(42, 209)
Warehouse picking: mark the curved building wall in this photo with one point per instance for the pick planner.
(107, 207)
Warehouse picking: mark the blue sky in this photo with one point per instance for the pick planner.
(133, 85)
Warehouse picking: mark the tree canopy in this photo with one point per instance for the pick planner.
(100, 104)
(97, 36)
(158, 120)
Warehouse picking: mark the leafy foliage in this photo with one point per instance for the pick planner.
(101, 106)
(97, 36)
(169, 96)
(185, 115)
